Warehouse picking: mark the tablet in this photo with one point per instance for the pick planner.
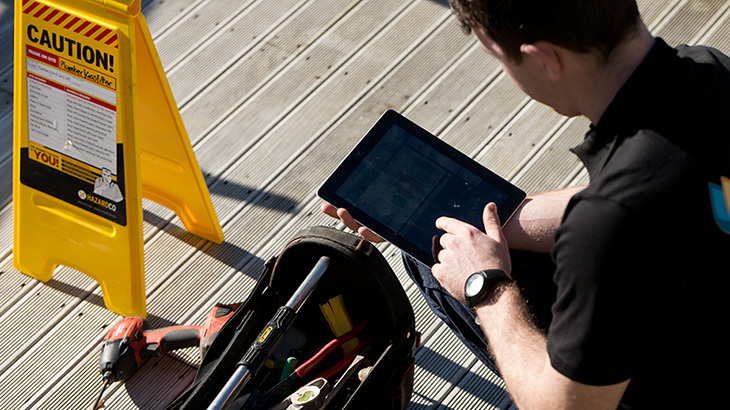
(400, 178)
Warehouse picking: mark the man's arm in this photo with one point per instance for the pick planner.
(532, 227)
(521, 354)
(519, 347)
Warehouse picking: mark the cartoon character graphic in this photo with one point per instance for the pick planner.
(720, 200)
(106, 187)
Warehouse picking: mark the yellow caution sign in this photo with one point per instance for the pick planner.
(96, 129)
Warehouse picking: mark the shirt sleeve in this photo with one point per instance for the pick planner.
(599, 312)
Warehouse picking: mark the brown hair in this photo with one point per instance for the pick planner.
(584, 26)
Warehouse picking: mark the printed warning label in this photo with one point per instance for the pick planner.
(73, 151)
(70, 115)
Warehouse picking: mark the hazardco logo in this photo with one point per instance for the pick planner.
(720, 200)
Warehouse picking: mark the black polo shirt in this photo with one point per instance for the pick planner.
(642, 254)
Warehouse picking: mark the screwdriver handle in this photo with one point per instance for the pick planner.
(269, 339)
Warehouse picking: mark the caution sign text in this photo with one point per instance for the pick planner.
(73, 149)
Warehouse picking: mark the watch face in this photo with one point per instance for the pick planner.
(474, 284)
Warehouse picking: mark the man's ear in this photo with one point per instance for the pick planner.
(545, 54)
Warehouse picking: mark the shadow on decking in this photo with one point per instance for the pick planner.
(440, 366)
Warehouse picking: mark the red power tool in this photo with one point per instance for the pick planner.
(128, 343)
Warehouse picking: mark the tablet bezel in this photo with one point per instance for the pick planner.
(327, 191)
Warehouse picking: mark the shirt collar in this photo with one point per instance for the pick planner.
(628, 110)
(649, 80)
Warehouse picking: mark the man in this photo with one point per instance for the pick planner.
(106, 187)
(637, 307)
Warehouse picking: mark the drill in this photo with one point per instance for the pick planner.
(128, 343)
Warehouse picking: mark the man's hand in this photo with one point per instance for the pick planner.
(466, 250)
(350, 222)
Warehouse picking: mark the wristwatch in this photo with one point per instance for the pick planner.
(479, 284)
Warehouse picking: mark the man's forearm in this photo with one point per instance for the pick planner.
(520, 350)
(532, 227)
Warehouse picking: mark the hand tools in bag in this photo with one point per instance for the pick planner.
(269, 338)
(265, 399)
(369, 290)
(311, 396)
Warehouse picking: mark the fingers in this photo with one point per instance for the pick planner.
(341, 214)
(329, 209)
(369, 235)
(347, 219)
(451, 225)
(465, 249)
(436, 247)
(454, 228)
(492, 227)
(350, 222)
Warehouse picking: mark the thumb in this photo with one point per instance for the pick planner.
(492, 227)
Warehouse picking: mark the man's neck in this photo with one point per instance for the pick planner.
(606, 81)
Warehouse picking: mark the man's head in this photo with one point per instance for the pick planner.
(582, 26)
(572, 55)
(106, 175)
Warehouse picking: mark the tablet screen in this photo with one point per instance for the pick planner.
(397, 184)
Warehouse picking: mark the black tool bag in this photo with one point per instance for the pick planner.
(353, 341)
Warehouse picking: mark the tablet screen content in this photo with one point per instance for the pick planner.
(398, 183)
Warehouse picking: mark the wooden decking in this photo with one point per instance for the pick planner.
(273, 94)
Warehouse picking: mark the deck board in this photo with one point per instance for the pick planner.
(273, 94)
